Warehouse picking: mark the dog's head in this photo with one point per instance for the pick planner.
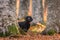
(28, 18)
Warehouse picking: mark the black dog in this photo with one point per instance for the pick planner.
(25, 25)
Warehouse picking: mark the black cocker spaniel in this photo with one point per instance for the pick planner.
(25, 25)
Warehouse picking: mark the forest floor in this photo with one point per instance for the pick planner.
(33, 37)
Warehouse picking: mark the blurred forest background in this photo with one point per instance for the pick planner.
(45, 13)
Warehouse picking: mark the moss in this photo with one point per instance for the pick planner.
(1, 35)
(4, 35)
(12, 29)
(51, 32)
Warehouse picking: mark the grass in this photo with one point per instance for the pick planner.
(12, 29)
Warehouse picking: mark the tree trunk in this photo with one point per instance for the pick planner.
(37, 11)
(7, 14)
(53, 18)
(24, 5)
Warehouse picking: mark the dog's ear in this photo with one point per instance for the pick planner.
(28, 18)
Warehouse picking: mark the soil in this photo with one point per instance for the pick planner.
(33, 37)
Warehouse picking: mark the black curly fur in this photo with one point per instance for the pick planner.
(25, 25)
